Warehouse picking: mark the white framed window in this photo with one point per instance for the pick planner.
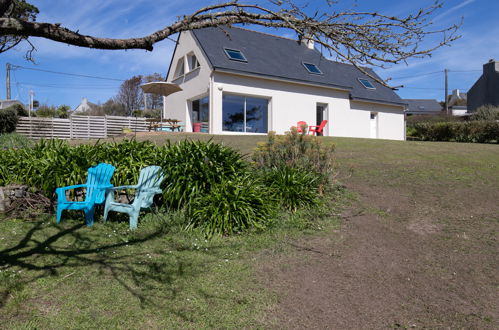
(366, 83)
(192, 61)
(235, 55)
(180, 68)
(312, 68)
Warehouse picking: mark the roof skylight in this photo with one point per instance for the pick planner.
(235, 55)
(312, 68)
(366, 83)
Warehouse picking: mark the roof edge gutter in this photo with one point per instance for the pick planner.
(360, 99)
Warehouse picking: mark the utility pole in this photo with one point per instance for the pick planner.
(31, 93)
(446, 91)
(7, 83)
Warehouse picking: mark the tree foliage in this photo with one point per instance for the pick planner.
(360, 38)
(130, 95)
(62, 111)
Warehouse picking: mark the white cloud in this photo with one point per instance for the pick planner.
(453, 9)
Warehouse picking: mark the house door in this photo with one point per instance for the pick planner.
(321, 114)
(374, 125)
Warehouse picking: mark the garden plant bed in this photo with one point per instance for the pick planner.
(417, 246)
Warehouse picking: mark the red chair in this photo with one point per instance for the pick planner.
(316, 130)
(300, 125)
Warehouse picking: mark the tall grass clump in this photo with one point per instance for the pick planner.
(293, 188)
(54, 163)
(14, 140)
(232, 206)
(193, 168)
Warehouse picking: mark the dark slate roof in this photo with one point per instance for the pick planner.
(283, 58)
(422, 106)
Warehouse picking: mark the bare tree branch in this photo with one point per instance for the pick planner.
(359, 38)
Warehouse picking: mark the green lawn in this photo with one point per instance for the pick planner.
(70, 276)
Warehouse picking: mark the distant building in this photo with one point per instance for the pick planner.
(85, 106)
(7, 103)
(485, 91)
(457, 103)
(423, 107)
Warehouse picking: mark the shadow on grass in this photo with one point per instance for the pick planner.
(41, 254)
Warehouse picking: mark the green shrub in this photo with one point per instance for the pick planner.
(440, 118)
(20, 110)
(297, 151)
(472, 131)
(192, 168)
(487, 112)
(231, 206)
(293, 188)
(54, 163)
(8, 120)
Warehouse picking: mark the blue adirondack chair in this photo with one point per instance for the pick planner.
(98, 179)
(149, 181)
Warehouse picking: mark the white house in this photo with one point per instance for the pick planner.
(238, 81)
(85, 106)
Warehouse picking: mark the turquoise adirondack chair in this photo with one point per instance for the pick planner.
(98, 180)
(149, 181)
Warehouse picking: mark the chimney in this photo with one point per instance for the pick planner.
(306, 40)
(491, 67)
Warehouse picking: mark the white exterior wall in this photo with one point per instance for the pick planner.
(390, 121)
(194, 84)
(289, 102)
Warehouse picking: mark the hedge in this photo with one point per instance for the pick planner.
(8, 120)
(472, 131)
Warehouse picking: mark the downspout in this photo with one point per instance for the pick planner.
(210, 119)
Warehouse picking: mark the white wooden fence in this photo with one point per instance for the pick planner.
(78, 127)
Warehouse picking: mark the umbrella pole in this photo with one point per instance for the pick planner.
(164, 98)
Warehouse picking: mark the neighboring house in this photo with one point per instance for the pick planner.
(423, 107)
(85, 106)
(237, 81)
(457, 103)
(485, 91)
(7, 103)
(459, 110)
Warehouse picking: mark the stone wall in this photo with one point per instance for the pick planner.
(9, 194)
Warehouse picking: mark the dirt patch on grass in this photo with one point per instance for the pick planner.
(410, 255)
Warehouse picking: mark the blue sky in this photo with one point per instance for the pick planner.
(423, 78)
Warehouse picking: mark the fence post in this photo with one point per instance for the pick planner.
(105, 126)
(70, 127)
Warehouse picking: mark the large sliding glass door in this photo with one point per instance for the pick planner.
(244, 114)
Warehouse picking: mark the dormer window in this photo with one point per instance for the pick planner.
(366, 83)
(235, 55)
(179, 70)
(192, 61)
(312, 68)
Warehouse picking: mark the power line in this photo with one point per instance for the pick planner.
(65, 73)
(419, 75)
(465, 71)
(432, 88)
(67, 86)
(435, 72)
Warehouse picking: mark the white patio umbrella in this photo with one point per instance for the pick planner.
(161, 88)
